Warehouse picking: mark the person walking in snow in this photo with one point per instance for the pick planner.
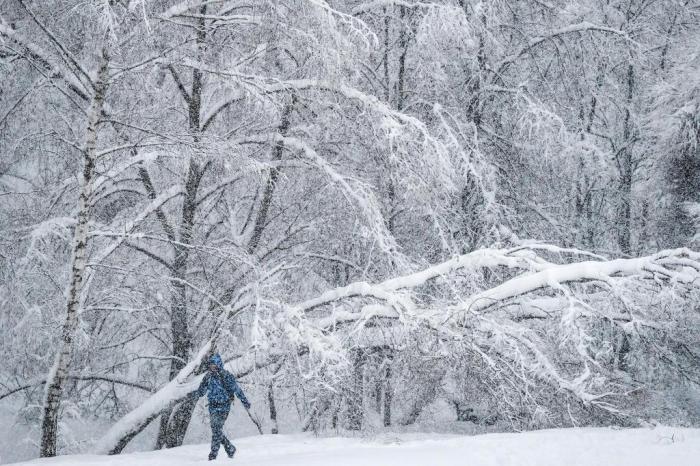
(220, 386)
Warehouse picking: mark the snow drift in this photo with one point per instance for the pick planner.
(557, 447)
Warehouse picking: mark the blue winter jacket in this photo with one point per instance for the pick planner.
(220, 388)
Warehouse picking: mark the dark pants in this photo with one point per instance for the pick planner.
(217, 420)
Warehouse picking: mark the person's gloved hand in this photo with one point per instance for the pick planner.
(246, 405)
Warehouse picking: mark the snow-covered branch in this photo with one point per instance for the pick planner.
(134, 422)
(458, 312)
(583, 26)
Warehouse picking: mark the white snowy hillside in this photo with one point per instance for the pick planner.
(571, 447)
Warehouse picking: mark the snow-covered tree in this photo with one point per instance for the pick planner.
(341, 197)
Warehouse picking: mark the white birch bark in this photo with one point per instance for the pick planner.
(59, 372)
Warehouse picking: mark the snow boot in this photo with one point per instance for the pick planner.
(212, 456)
(231, 452)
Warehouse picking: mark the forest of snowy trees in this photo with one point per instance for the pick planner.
(369, 208)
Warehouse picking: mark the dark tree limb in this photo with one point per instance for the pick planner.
(99, 378)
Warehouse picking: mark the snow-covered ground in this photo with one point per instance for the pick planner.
(660, 446)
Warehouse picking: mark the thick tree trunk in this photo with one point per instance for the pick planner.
(174, 424)
(584, 186)
(273, 409)
(179, 422)
(403, 46)
(58, 375)
(388, 395)
(623, 350)
(356, 396)
(626, 166)
(162, 429)
(261, 218)
(387, 80)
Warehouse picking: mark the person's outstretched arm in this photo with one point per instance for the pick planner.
(236, 389)
(203, 386)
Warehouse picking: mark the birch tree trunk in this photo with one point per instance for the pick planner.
(59, 373)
